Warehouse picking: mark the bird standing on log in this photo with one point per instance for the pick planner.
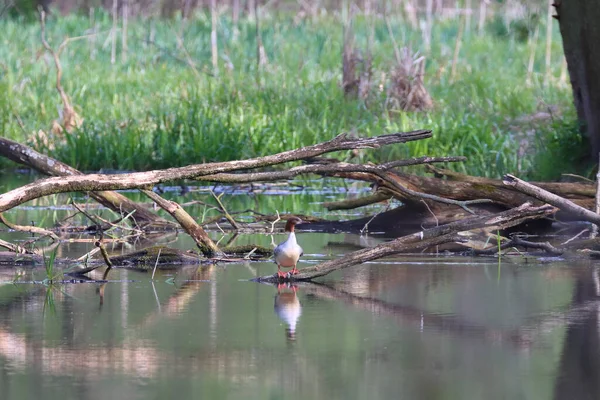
(288, 253)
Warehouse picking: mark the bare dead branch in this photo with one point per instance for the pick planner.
(30, 229)
(15, 248)
(203, 241)
(144, 180)
(551, 198)
(423, 239)
(104, 253)
(518, 242)
(222, 208)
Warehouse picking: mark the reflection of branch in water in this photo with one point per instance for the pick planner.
(523, 336)
(133, 357)
(579, 364)
(137, 360)
(195, 277)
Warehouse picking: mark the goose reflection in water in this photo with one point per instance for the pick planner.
(288, 308)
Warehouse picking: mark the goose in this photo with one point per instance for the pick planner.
(288, 253)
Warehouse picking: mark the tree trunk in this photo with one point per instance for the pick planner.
(581, 34)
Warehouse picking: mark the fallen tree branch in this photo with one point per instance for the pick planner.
(27, 156)
(223, 210)
(30, 229)
(551, 198)
(144, 180)
(15, 248)
(426, 238)
(419, 195)
(203, 241)
(546, 246)
(338, 169)
(319, 169)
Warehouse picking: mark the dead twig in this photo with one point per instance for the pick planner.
(70, 118)
(92, 218)
(275, 221)
(156, 263)
(575, 237)
(222, 208)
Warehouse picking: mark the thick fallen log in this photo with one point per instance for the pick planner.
(419, 240)
(500, 195)
(550, 198)
(349, 204)
(564, 189)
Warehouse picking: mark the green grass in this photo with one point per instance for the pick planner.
(152, 110)
(52, 275)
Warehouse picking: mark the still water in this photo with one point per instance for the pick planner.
(409, 327)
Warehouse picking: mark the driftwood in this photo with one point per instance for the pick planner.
(419, 240)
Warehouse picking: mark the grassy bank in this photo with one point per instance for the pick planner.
(152, 109)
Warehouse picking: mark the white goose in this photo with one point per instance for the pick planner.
(288, 253)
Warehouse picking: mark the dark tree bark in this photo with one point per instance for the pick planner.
(580, 31)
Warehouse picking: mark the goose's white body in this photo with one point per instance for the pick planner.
(288, 253)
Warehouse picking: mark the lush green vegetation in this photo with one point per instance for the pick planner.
(153, 110)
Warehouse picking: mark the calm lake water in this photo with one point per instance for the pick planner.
(410, 327)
